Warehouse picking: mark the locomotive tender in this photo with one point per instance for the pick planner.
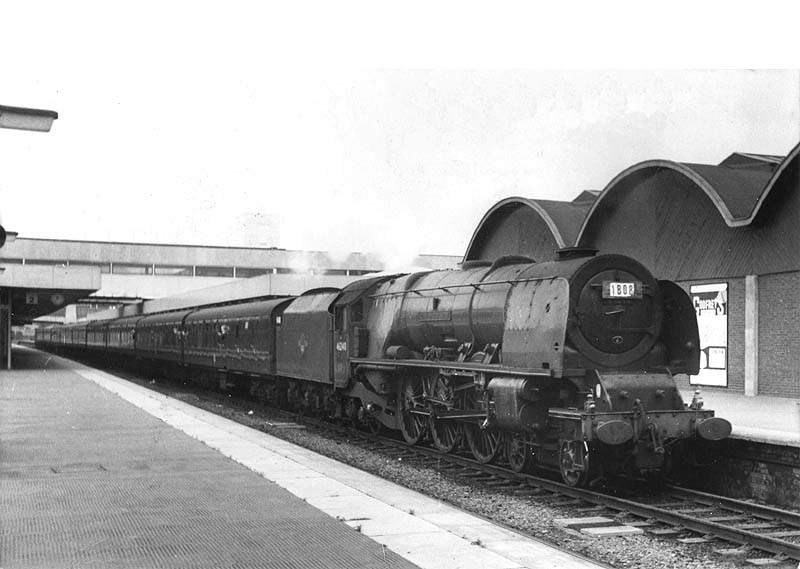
(566, 364)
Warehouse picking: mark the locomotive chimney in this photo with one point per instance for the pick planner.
(568, 253)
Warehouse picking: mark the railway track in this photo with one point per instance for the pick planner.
(690, 516)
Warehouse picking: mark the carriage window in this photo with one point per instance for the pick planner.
(338, 318)
(214, 271)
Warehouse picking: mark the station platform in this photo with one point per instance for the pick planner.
(99, 472)
(761, 419)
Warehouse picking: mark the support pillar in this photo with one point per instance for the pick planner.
(71, 314)
(5, 327)
(751, 335)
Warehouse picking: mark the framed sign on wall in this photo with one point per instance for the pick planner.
(711, 307)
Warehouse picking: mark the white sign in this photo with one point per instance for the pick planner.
(621, 290)
(711, 307)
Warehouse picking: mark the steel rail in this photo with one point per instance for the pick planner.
(774, 545)
(755, 510)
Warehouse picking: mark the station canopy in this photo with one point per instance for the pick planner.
(38, 290)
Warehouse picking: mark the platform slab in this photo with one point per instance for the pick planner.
(583, 522)
(762, 418)
(611, 531)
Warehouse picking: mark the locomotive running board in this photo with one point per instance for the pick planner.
(394, 365)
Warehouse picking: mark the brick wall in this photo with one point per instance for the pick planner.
(750, 470)
(736, 294)
(779, 335)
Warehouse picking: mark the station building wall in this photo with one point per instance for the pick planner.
(779, 334)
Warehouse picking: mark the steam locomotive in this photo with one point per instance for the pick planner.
(566, 364)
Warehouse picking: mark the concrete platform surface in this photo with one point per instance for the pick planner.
(762, 419)
(99, 472)
(89, 480)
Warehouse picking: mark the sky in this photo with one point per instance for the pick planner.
(360, 126)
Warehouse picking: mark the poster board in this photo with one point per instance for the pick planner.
(711, 307)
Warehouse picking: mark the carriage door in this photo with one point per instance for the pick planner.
(341, 370)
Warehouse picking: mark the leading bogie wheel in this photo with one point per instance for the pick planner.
(574, 463)
(519, 453)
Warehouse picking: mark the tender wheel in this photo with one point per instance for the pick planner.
(412, 398)
(282, 396)
(351, 409)
(445, 433)
(520, 457)
(573, 461)
(292, 399)
(366, 420)
(331, 403)
(372, 424)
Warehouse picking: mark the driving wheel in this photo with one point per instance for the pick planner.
(412, 410)
(445, 433)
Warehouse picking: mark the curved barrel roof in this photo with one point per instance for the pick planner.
(787, 169)
(697, 220)
(524, 226)
(734, 191)
(683, 220)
